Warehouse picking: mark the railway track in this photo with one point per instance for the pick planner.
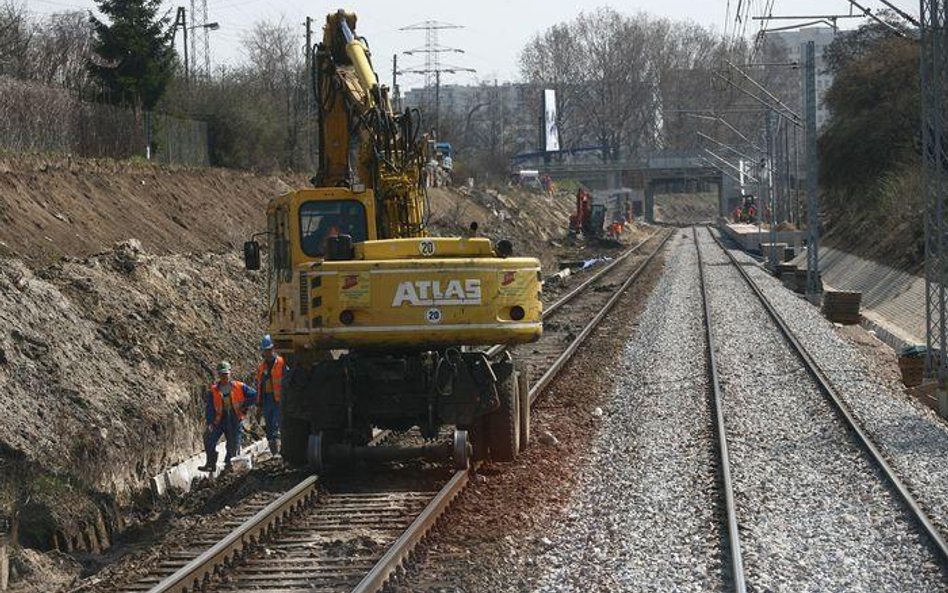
(569, 320)
(841, 430)
(310, 540)
(735, 560)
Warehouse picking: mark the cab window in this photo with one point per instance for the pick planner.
(324, 219)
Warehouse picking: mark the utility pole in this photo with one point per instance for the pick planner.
(934, 86)
(194, 39)
(761, 161)
(309, 46)
(787, 182)
(437, 103)
(396, 96)
(207, 40)
(813, 283)
(771, 194)
(200, 58)
(310, 98)
(180, 20)
(433, 67)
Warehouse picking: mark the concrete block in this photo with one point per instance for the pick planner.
(242, 463)
(181, 476)
(780, 248)
(4, 563)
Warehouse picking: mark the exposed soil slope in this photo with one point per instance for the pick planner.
(534, 223)
(102, 364)
(895, 238)
(686, 208)
(51, 207)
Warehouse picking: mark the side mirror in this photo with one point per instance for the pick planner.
(339, 248)
(252, 255)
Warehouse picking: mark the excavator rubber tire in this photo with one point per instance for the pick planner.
(294, 431)
(504, 423)
(295, 436)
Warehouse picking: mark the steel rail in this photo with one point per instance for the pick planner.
(192, 576)
(551, 372)
(579, 289)
(498, 348)
(734, 540)
(400, 550)
(843, 409)
(403, 546)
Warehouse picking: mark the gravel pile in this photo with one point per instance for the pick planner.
(815, 514)
(645, 518)
(911, 436)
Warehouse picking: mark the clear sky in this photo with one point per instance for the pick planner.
(494, 30)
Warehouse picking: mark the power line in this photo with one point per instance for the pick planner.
(868, 12)
(433, 68)
(901, 12)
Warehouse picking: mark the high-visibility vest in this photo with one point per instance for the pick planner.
(237, 398)
(275, 385)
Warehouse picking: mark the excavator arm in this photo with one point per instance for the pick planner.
(362, 144)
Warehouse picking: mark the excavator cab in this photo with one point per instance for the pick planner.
(321, 220)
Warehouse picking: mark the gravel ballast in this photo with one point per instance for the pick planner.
(815, 513)
(645, 516)
(911, 436)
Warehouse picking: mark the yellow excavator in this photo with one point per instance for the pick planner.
(383, 326)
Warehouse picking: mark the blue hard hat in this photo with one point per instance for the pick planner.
(266, 343)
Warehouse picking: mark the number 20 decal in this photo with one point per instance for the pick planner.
(426, 247)
(433, 315)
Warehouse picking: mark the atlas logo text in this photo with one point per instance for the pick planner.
(421, 293)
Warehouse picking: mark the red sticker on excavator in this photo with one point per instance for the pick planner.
(350, 281)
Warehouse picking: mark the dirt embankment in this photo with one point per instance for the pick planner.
(686, 208)
(120, 286)
(53, 207)
(103, 361)
(535, 223)
(895, 239)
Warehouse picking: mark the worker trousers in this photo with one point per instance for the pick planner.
(271, 417)
(230, 428)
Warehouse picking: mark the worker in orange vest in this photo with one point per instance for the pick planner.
(269, 386)
(227, 404)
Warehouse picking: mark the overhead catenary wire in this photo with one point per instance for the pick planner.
(868, 12)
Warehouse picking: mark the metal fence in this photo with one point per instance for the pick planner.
(40, 119)
(178, 140)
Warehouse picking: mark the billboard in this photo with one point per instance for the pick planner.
(551, 132)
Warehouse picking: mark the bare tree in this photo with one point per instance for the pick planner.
(607, 69)
(632, 83)
(16, 36)
(554, 61)
(276, 65)
(62, 49)
(52, 50)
